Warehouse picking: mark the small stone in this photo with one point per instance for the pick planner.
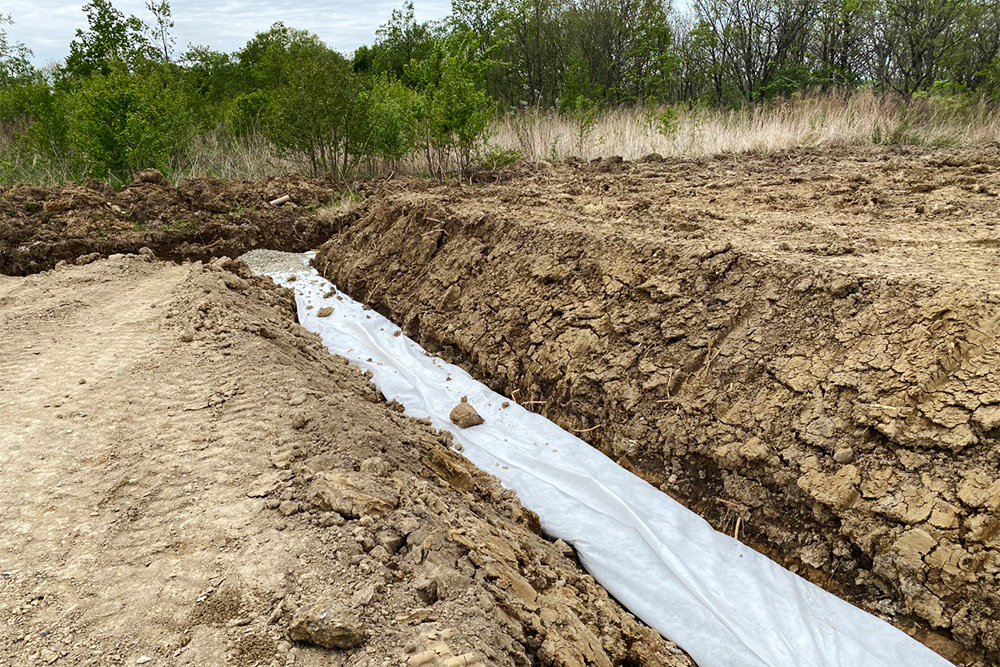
(982, 528)
(187, 337)
(464, 415)
(389, 539)
(913, 545)
(353, 495)
(564, 548)
(944, 515)
(151, 177)
(844, 455)
(83, 381)
(325, 311)
(329, 624)
(282, 458)
(288, 507)
(142, 660)
(48, 656)
(451, 297)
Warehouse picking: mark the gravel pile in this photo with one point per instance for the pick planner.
(272, 261)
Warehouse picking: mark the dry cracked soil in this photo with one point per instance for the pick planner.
(801, 347)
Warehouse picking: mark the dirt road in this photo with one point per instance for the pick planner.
(188, 478)
(801, 347)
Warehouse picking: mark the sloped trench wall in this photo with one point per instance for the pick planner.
(847, 426)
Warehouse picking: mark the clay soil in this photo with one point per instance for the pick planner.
(201, 219)
(801, 347)
(187, 477)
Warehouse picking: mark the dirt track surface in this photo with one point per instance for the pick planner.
(185, 472)
(201, 219)
(803, 348)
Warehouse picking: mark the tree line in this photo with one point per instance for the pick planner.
(124, 98)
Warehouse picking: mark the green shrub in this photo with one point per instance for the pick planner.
(126, 122)
(316, 112)
(391, 111)
(664, 120)
(497, 157)
(456, 111)
(246, 113)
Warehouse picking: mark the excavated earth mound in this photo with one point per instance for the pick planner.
(803, 347)
(187, 477)
(200, 219)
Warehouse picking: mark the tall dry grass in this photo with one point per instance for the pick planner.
(830, 119)
(218, 154)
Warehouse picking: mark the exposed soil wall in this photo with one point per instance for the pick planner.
(188, 477)
(802, 348)
(200, 219)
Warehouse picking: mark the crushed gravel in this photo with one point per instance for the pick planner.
(271, 261)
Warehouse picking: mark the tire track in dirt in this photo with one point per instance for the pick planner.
(187, 501)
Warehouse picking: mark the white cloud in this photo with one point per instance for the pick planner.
(48, 26)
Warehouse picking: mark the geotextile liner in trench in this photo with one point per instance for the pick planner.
(725, 604)
(828, 388)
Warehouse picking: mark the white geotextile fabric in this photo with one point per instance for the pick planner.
(722, 602)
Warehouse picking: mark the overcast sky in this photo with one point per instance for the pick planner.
(48, 26)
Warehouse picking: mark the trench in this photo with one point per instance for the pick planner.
(821, 410)
(724, 603)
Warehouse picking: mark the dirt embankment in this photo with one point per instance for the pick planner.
(201, 219)
(802, 348)
(187, 477)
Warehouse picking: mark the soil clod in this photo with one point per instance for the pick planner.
(329, 624)
(464, 415)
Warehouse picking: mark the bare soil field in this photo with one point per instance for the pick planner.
(801, 347)
(187, 477)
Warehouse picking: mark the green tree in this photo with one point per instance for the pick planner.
(315, 111)
(15, 58)
(127, 121)
(263, 63)
(390, 119)
(212, 82)
(455, 111)
(111, 41)
(398, 42)
(159, 32)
